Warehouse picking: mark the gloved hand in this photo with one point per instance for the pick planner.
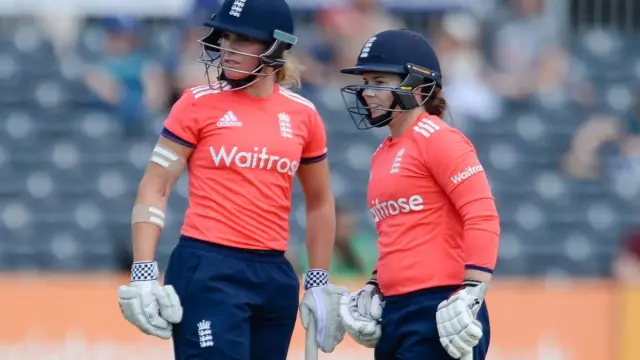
(458, 328)
(361, 312)
(320, 307)
(146, 304)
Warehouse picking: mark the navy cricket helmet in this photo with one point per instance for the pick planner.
(402, 52)
(268, 21)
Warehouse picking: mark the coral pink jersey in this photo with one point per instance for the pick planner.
(432, 207)
(246, 151)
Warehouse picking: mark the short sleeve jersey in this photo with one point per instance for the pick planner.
(411, 199)
(246, 152)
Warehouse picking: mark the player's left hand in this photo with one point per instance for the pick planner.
(321, 302)
(458, 328)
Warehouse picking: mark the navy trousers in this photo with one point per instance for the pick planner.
(409, 330)
(238, 304)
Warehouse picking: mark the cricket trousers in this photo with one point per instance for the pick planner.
(238, 304)
(410, 332)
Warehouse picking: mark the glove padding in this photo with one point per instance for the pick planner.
(321, 302)
(458, 328)
(147, 305)
(360, 313)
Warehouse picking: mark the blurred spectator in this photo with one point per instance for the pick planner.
(319, 55)
(627, 163)
(626, 266)
(63, 29)
(463, 68)
(354, 253)
(184, 69)
(585, 161)
(345, 28)
(344, 254)
(513, 55)
(124, 79)
(582, 161)
(526, 52)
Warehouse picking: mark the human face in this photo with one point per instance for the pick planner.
(239, 55)
(379, 99)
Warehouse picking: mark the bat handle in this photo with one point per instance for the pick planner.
(311, 349)
(468, 356)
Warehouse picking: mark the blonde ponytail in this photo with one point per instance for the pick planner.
(289, 75)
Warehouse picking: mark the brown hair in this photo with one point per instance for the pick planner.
(289, 75)
(436, 104)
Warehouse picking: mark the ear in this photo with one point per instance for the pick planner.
(418, 94)
(423, 91)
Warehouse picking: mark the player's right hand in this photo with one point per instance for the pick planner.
(146, 304)
(361, 312)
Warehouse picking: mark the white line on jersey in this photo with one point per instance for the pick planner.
(397, 162)
(214, 88)
(426, 127)
(297, 98)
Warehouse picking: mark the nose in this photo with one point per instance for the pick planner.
(368, 93)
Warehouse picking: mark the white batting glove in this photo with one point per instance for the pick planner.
(321, 302)
(361, 312)
(146, 304)
(456, 318)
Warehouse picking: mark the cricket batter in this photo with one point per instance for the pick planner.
(433, 209)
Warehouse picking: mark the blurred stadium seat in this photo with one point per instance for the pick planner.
(70, 164)
(62, 152)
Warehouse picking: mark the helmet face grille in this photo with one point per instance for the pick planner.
(404, 101)
(268, 21)
(212, 55)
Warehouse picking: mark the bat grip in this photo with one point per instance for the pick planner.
(311, 349)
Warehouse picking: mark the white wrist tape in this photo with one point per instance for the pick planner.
(148, 214)
(168, 159)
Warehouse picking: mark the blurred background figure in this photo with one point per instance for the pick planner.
(627, 261)
(354, 252)
(547, 90)
(617, 137)
(183, 71)
(124, 79)
(469, 92)
(526, 51)
(346, 255)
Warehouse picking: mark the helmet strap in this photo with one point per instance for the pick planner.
(383, 120)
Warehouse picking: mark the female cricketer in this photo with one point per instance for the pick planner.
(433, 209)
(229, 291)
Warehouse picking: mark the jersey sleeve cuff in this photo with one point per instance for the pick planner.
(174, 137)
(313, 159)
(479, 268)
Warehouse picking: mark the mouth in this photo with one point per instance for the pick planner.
(230, 62)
